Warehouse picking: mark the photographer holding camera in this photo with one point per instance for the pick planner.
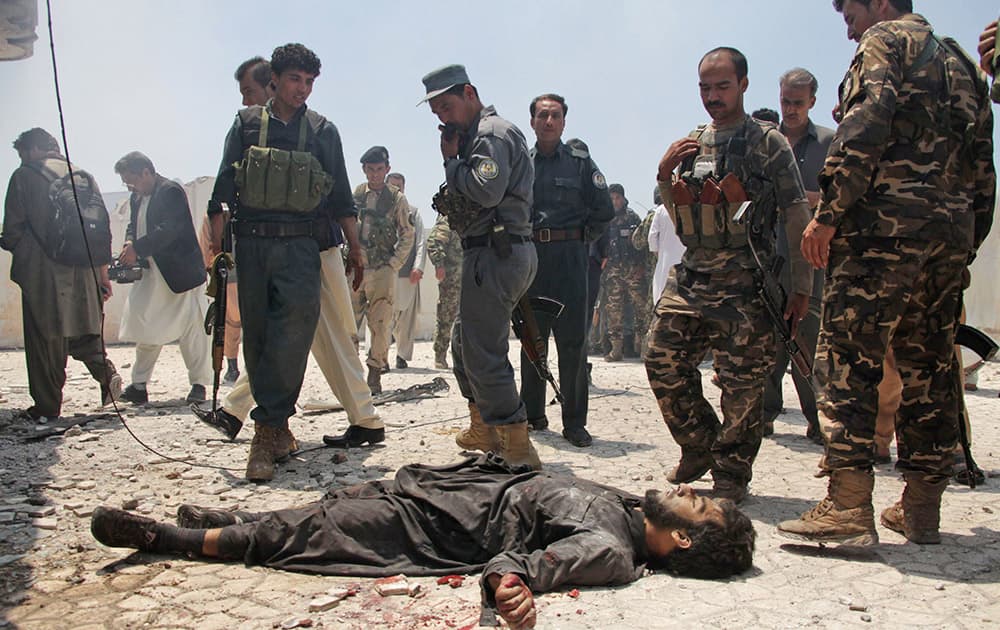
(165, 304)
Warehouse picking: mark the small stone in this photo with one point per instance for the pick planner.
(73, 431)
(413, 590)
(295, 622)
(939, 586)
(83, 512)
(40, 511)
(866, 618)
(191, 475)
(173, 474)
(846, 601)
(130, 504)
(395, 585)
(44, 523)
(6, 517)
(73, 505)
(858, 607)
(339, 458)
(339, 592)
(61, 485)
(89, 484)
(90, 437)
(321, 604)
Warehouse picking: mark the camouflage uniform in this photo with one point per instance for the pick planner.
(386, 234)
(444, 247)
(909, 186)
(640, 241)
(709, 301)
(624, 279)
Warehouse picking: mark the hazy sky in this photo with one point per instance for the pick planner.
(157, 75)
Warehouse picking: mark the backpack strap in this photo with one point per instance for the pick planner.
(265, 118)
(303, 130)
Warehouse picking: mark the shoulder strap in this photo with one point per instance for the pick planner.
(303, 130)
(265, 118)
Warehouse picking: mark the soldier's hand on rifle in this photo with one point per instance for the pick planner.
(987, 44)
(796, 309)
(678, 151)
(128, 255)
(439, 273)
(816, 243)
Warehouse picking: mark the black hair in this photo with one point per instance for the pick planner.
(134, 163)
(766, 114)
(903, 6)
(549, 97)
(294, 57)
(36, 138)
(739, 60)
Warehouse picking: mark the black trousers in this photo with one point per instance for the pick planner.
(279, 285)
(46, 357)
(562, 276)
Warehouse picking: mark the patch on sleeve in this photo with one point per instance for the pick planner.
(599, 182)
(488, 168)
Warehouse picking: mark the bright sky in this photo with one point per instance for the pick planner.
(157, 75)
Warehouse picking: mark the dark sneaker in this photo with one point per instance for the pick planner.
(578, 436)
(354, 437)
(135, 395)
(118, 528)
(401, 363)
(196, 395)
(538, 424)
(220, 420)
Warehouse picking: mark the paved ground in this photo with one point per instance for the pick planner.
(53, 574)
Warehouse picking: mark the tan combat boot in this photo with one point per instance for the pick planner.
(284, 444)
(918, 514)
(479, 436)
(692, 467)
(374, 380)
(845, 516)
(516, 447)
(260, 464)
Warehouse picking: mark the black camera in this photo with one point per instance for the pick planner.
(127, 274)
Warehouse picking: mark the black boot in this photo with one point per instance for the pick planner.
(354, 437)
(220, 420)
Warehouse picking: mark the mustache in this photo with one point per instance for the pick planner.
(714, 104)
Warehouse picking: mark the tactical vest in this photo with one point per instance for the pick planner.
(378, 230)
(703, 199)
(278, 179)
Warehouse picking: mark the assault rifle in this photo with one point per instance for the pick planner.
(773, 297)
(215, 319)
(527, 331)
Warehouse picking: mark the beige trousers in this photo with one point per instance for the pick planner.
(333, 348)
(374, 300)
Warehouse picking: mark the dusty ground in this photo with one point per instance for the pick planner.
(53, 574)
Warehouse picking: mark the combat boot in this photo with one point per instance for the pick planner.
(375, 380)
(692, 467)
(918, 514)
(726, 486)
(260, 464)
(284, 444)
(616, 352)
(441, 360)
(516, 447)
(479, 436)
(845, 516)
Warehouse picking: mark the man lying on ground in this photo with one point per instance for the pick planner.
(524, 530)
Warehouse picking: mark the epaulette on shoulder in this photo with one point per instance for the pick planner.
(578, 148)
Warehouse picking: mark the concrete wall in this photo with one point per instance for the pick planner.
(198, 192)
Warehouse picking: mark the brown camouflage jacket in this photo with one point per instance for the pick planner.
(913, 155)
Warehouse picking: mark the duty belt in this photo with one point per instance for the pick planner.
(548, 235)
(273, 230)
(484, 240)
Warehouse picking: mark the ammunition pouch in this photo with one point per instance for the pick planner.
(706, 219)
(277, 179)
(460, 211)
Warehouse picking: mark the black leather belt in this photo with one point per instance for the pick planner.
(484, 240)
(273, 230)
(548, 235)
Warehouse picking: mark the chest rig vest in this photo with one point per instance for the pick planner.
(377, 229)
(712, 186)
(269, 178)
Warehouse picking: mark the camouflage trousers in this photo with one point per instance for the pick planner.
(686, 325)
(447, 308)
(883, 293)
(626, 283)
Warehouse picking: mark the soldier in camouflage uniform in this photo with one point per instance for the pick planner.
(640, 241)
(444, 247)
(386, 234)
(623, 276)
(709, 300)
(907, 199)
